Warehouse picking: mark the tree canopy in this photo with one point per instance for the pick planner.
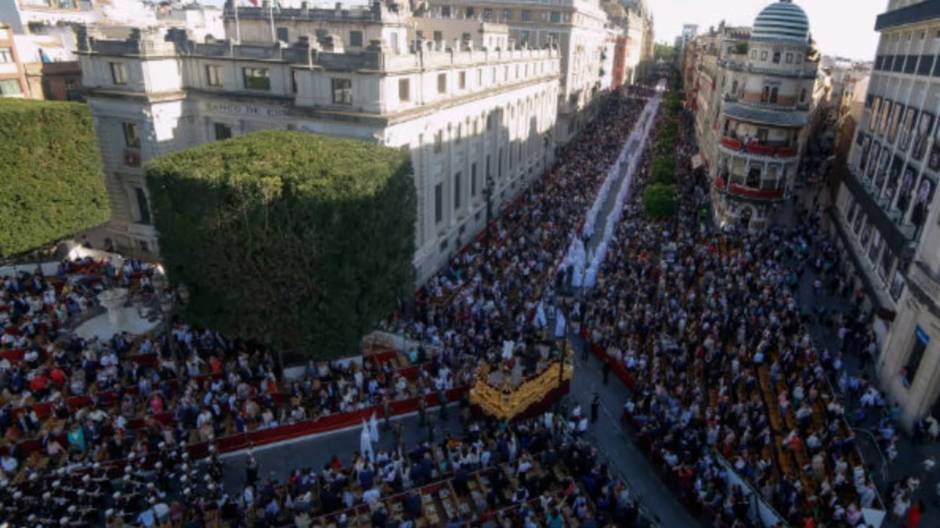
(51, 184)
(301, 241)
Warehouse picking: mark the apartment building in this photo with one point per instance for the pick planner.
(753, 91)
(12, 74)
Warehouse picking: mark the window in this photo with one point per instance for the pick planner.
(462, 80)
(342, 91)
(921, 340)
(776, 57)
(213, 75)
(753, 54)
(490, 120)
(438, 36)
(763, 55)
(355, 39)
(465, 37)
(803, 95)
(10, 87)
(222, 131)
(487, 13)
(734, 87)
(773, 94)
(143, 208)
(118, 73)
(526, 15)
(256, 78)
(555, 17)
(471, 13)
(293, 81)
(507, 15)
(283, 34)
(438, 141)
(441, 83)
(789, 58)
(480, 77)
(438, 203)
(445, 11)
(457, 178)
(404, 90)
(131, 135)
(473, 179)
(6, 55)
(459, 134)
(765, 94)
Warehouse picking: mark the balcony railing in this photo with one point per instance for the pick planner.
(758, 149)
(755, 194)
(747, 192)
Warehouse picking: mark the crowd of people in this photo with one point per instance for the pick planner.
(537, 472)
(75, 410)
(707, 324)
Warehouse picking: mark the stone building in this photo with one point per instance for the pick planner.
(12, 72)
(753, 92)
(886, 211)
(580, 28)
(478, 121)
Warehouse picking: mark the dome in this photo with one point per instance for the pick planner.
(782, 20)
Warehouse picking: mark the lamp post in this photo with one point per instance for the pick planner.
(488, 195)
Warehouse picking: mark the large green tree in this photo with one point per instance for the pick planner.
(301, 241)
(51, 184)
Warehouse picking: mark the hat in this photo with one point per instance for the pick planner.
(109, 512)
(117, 495)
(86, 478)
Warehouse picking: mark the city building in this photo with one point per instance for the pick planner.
(578, 27)
(46, 38)
(753, 91)
(689, 32)
(12, 73)
(477, 118)
(886, 205)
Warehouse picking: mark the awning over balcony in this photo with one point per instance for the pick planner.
(766, 116)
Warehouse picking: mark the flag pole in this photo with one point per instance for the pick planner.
(238, 29)
(271, 19)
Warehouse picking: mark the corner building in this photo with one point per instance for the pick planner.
(753, 92)
(886, 205)
(472, 111)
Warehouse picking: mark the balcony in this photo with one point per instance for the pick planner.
(755, 194)
(925, 286)
(733, 189)
(132, 157)
(757, 149)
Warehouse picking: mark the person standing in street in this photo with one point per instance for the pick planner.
(595, 407)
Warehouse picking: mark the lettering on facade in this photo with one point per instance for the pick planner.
(240, 109)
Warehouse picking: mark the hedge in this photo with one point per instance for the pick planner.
(663, 170)
(303, 242)
(51, 184)
(659, 201)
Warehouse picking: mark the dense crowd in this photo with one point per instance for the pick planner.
(488, 293)
(530, 473)
(130, 409)
(707, 324)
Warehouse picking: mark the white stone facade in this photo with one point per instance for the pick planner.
(464, 114)
(887, 206)
(578, 27)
